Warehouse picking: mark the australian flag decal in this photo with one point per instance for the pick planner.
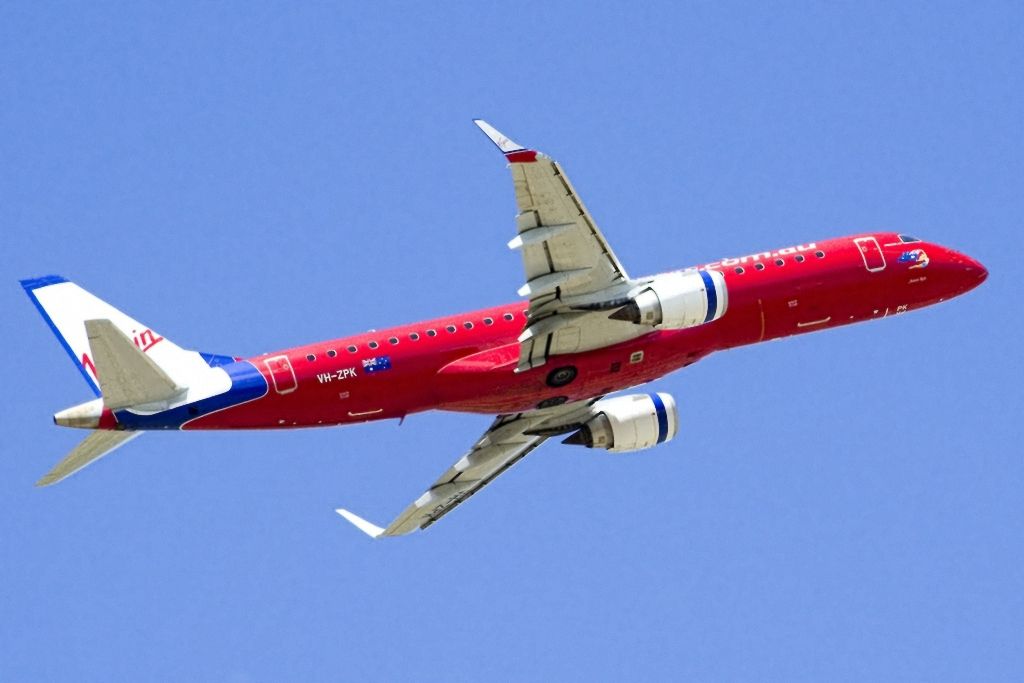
(378, 364)
(918, 258)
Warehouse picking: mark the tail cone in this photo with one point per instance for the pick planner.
(84, 416)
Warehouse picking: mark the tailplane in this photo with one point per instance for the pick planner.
(94, 447)
(127, 376)
(128, 366)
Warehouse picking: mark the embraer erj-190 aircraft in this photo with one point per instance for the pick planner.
(546, 366)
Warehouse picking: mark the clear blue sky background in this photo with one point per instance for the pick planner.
(843, 506)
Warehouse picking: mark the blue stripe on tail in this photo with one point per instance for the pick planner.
(247, 384)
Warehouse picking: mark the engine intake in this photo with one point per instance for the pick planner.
(675, 301)
(629, 423)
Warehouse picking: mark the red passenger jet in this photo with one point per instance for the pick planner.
(545, 366)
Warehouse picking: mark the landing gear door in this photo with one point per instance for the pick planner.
(874, 260)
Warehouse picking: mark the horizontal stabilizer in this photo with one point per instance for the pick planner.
(127, 376)
(94, 447)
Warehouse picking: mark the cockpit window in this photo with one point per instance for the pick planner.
(908, 238)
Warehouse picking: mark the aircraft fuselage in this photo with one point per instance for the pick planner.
(467, 362)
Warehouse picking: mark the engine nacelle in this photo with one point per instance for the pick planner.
(675, 301)
(629, 423)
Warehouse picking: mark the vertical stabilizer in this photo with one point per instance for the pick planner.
(66, 308)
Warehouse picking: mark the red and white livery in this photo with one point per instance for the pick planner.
(544, 366)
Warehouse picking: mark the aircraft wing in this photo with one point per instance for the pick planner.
(507, 441)
(565, 256)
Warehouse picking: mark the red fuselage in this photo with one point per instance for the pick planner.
(467, 362)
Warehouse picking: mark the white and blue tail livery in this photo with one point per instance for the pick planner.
(137, 374)
(67, 308)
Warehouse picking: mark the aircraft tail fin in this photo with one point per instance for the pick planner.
(94, 447)
(68, 309)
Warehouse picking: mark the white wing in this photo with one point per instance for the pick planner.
(508, 440)
(564, 253)
(570, 268)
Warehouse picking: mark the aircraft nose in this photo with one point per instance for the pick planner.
(978, 270)
(971, 270)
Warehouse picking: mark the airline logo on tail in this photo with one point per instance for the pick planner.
(68, 310)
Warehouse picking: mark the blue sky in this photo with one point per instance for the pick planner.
(842, 506)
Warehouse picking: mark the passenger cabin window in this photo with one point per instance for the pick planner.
(507, 316)
(759, 266)
(373, 345)
(332, 353)
(779, 262)
(310, 357)
(431, 333)
(450, 328)
(908, 238)
(351, 348)
(819, 254)
(392, 340)
(414, 336)
(488, 321)
(739, 271)
(468, 325)
(799, 258)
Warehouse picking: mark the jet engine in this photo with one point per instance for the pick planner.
(675, 301)
(629, 423)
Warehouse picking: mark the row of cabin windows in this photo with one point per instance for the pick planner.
(414, 336)
(799, 258)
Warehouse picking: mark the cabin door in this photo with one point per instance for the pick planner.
(874, 260)
(282, 374)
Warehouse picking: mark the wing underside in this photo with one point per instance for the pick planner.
(508, 440)
(573, 280)
(569, 266)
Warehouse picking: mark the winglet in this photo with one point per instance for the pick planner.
(513, 151)
(371, 530)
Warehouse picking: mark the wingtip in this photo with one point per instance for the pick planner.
(368, 528)
(500, 140)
